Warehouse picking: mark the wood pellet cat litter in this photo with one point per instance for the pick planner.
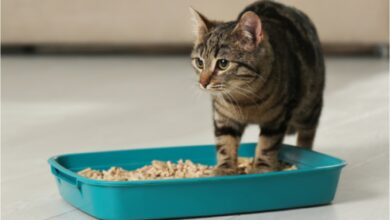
(165, 170)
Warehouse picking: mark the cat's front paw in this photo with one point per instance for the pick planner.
(224, 171)
(263, 168)
(260, 170)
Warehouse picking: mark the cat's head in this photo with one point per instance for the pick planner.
(225, 55)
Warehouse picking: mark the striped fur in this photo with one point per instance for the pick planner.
(274, 78)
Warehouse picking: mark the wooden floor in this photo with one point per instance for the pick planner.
(63, 104)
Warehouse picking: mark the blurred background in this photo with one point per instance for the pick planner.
(164, 26)
(97, 75)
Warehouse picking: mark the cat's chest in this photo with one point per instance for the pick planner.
(251, 114)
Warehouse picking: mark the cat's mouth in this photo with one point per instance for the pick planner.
(213, 87)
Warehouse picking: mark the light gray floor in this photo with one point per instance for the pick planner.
(57, 105)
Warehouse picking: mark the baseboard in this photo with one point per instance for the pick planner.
(330, 49)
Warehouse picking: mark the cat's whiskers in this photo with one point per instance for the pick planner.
(216, 86)
(249, 98)
(249, 94)
(198, 93)
(246, 91)
(236, 107)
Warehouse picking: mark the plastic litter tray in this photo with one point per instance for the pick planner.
(314, 183)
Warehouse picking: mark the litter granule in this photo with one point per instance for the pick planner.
(165, 170)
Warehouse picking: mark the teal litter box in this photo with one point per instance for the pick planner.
(314, 183)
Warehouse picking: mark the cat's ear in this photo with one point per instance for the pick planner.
(201, 24)
(249, 30)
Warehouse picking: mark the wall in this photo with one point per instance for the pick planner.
(168, 22)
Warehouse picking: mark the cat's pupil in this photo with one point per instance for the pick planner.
(199, 63)
(222, 64)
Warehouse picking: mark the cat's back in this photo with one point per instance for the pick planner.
(273, 10)
(293, 24)
(282, 16)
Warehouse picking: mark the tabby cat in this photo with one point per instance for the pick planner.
(265, 68)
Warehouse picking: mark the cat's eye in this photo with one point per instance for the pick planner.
(223, 64)
(199, 63)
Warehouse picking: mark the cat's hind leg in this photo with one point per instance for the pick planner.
(306, 137)
(306, 125)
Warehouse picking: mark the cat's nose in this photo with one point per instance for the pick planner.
(203, 85)
(203, 82)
